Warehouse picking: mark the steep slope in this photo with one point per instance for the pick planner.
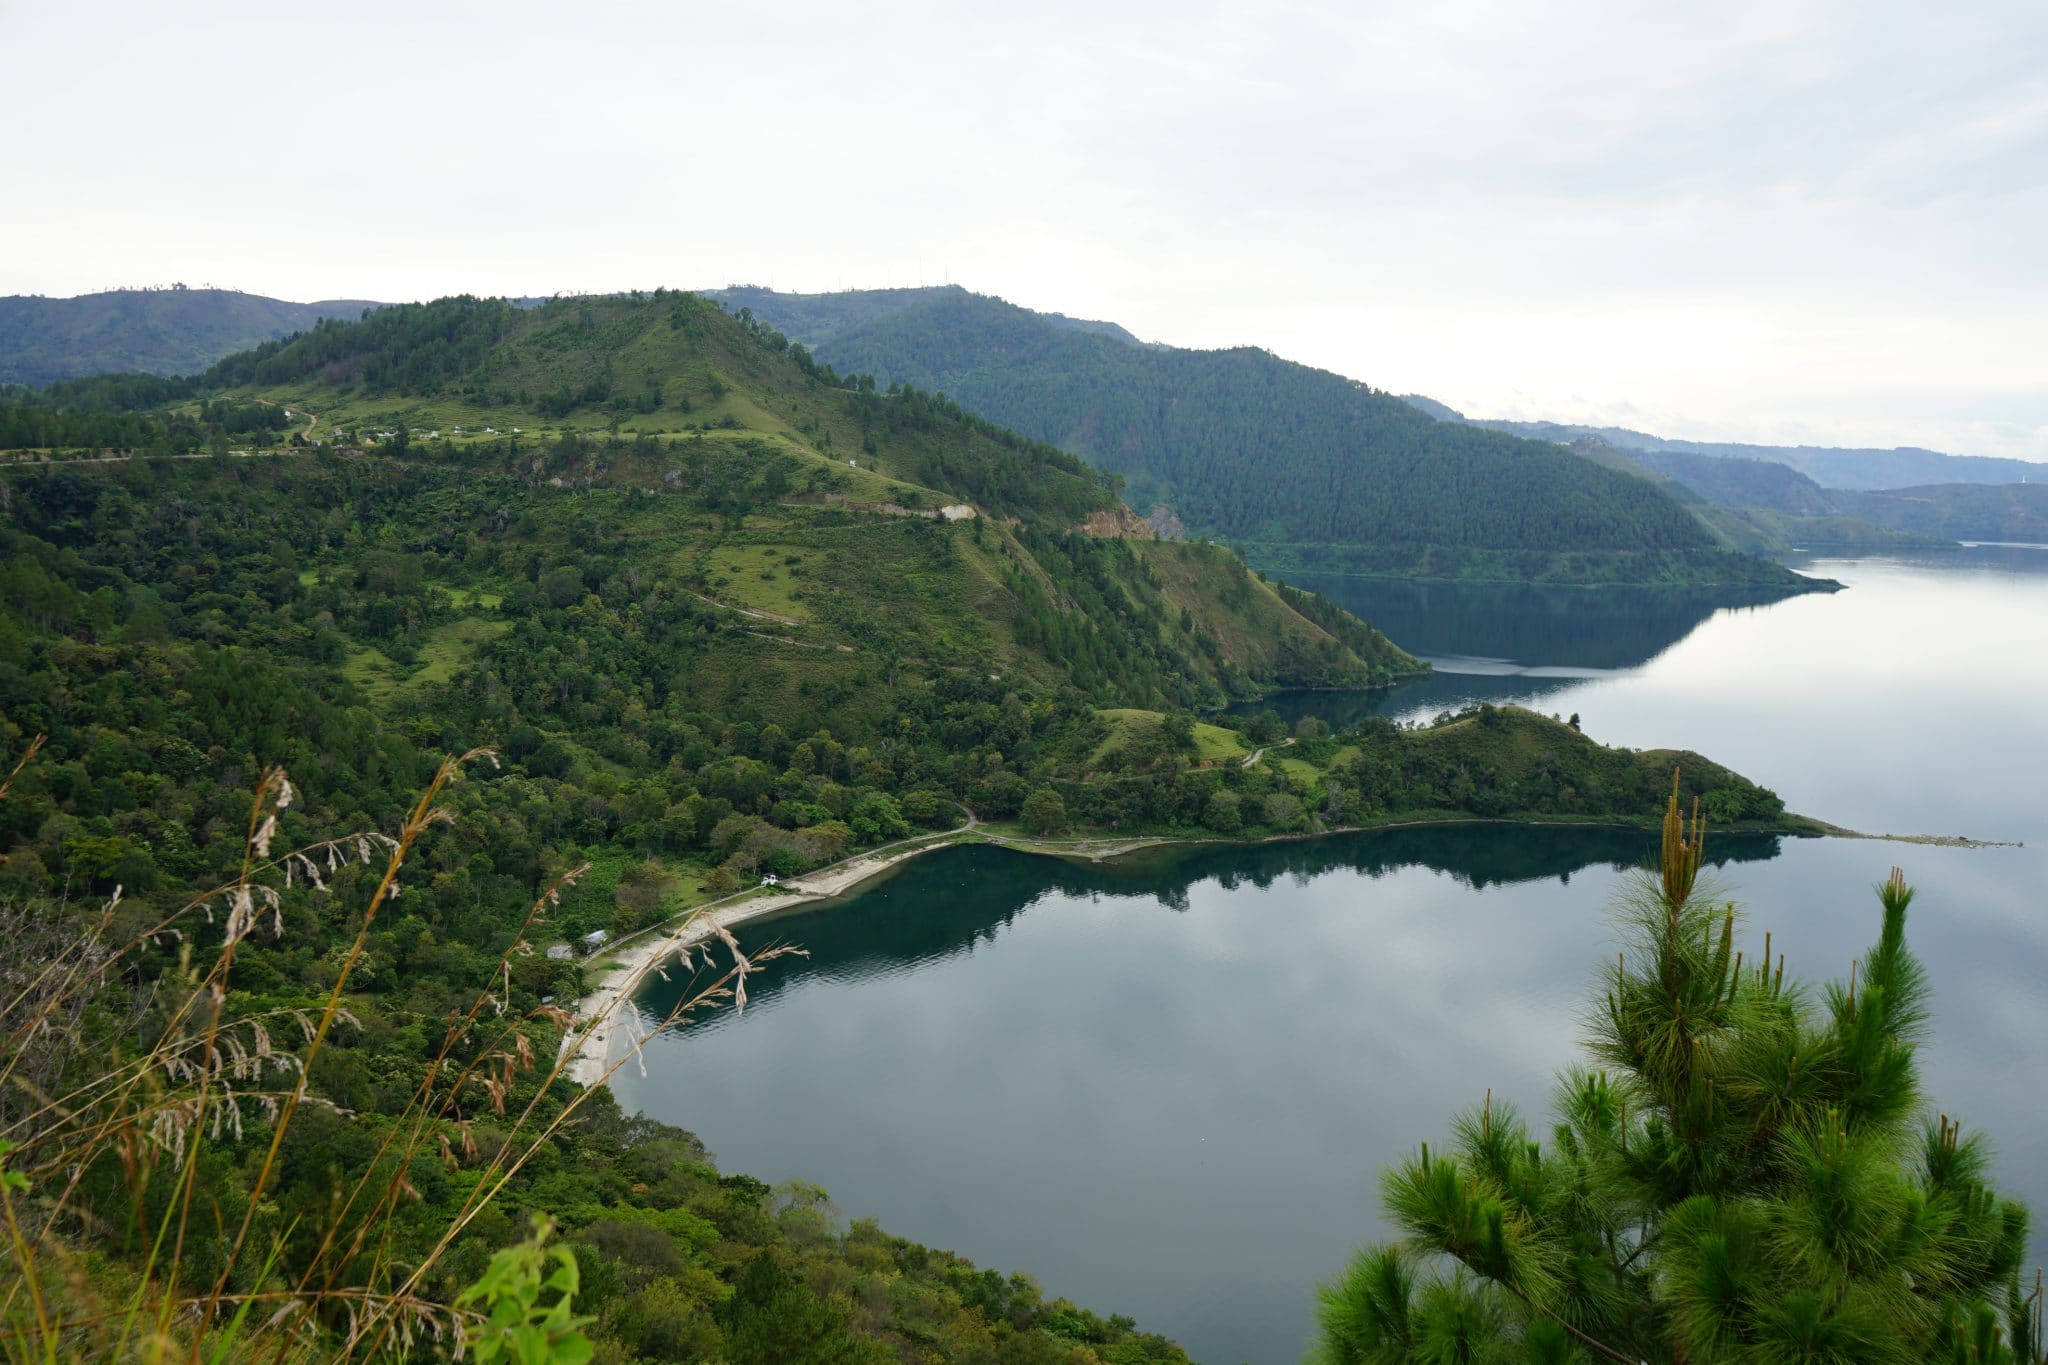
(1301, 468)
(1743, 483)
(146, 331)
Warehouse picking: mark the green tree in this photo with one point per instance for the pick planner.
(1741, 1180)
(1044, 812)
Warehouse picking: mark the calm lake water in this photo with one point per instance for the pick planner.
(1166, 1088)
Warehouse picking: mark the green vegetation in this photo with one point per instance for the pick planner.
(1300, 468)
(1163, 775)
(277, 1138)
(1746, 1178)
(151, 331)
(44, 423)
(1961, 511)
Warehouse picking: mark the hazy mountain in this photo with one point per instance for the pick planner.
(1829, 466)
(148, 331)
(1767, 506)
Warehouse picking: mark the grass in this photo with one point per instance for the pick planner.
(763, 577)
(1130, 725)
(1299, 771)
(1216, 745)
(446, 649)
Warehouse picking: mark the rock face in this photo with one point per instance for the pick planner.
(1165, 524)
(1123, 523)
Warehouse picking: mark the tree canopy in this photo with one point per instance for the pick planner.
(1747, 1172)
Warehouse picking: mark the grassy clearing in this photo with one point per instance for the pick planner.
(1131, 727)
(592, 902)
(764, 577)
(1216, 744)
(444, 652)
(1127, 726)
(1299, 771)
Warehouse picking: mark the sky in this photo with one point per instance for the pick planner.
(1781, 222)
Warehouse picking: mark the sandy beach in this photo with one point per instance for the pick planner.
(629, 963)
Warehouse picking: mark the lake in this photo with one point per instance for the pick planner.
(1165, 1088)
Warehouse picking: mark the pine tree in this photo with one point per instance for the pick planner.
(1747, 1174)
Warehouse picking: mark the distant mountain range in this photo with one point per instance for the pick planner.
(1778, 503)
(1303, 468)
(145, 331)
(1828, 466)
(1300, 468)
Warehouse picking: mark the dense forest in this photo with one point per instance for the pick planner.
(1303, 469)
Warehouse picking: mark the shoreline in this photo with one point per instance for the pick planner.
(624, 966)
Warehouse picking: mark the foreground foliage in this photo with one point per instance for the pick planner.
(1747, 1177)
(206, 1153)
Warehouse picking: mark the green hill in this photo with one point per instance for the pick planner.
(1301, 468)
(1960, 511)
(148, 331)
(852, 525)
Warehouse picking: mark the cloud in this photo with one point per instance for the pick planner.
(1750, 219)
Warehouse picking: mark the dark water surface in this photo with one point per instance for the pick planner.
(1166, 1088)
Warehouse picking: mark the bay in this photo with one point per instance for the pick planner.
(1165, 1087)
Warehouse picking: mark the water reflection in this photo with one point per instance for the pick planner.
(1530, 624)
(1166, 1090)
(1166, 1087)
(947, 903)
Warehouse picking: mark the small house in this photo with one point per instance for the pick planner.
(561, 952)
(595, 939)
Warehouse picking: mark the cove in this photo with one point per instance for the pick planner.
(1169, 1087)
(1166, 1087)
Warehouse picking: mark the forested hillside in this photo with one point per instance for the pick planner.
(683, 647)
(1301, 468)
(147, 331)
(1961, 511)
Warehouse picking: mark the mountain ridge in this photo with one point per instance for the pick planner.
(1301, 469)
(1853, 468)
(151, 331)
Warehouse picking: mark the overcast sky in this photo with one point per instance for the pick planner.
(1780, 221)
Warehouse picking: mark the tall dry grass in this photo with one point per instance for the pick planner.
(118, 1070)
